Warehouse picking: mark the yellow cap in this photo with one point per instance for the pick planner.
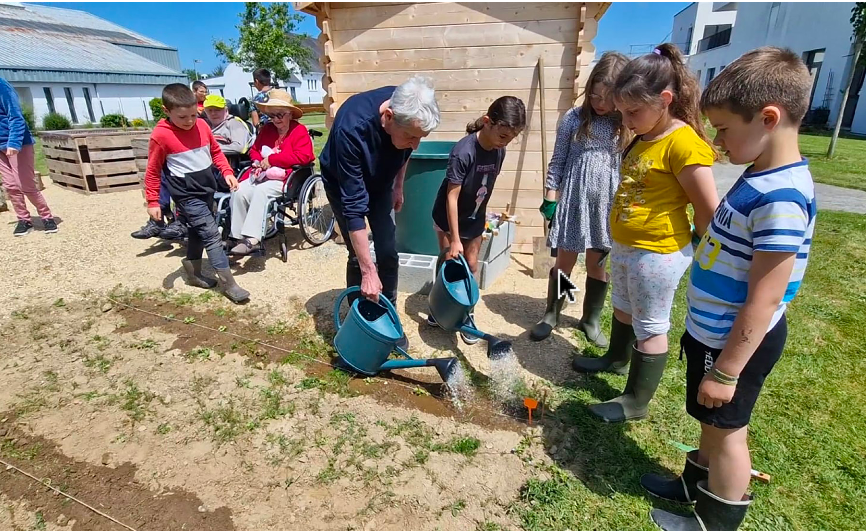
(215, 100)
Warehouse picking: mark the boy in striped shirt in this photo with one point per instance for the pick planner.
(747, 268)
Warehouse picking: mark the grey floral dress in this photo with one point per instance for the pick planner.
(586, 174)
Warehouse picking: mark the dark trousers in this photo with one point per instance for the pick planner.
(203, 231)
(384, 238)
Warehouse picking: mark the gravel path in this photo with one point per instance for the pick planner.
(829, 197)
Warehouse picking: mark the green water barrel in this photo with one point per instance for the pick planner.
(424, 176)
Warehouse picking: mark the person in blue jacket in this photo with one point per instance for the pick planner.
(363, 166)
(17, 164)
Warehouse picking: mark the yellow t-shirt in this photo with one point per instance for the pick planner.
(649, 209)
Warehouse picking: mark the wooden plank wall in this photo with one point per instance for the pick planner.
(475, 53)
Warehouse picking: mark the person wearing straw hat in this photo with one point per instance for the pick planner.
(283, 142)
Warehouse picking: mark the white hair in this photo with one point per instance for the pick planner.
(414, 104)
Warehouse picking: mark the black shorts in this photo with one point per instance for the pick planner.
(737, 412)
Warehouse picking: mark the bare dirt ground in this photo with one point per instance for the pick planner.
(176, 410)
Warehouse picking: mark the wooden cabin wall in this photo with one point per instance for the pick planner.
(475, 53)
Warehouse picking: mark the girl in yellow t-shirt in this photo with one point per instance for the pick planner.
(667, 167)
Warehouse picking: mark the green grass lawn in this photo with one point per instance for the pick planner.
(847, 168)
(807, 430)
(317, 122)
(41, 165)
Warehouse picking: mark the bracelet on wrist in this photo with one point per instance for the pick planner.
(723, 378)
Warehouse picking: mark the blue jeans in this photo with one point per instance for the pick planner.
(384, 238)
(203, 231)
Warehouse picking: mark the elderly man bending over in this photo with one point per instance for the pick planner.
(363, 165)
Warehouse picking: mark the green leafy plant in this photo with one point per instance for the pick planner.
(156, 109)
(138, 122)
(114, 120)
(29, 117)
(268, 38)
(55, 122)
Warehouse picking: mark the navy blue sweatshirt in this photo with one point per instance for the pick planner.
(359, 159)
(14, 132)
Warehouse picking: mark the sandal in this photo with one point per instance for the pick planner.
(245, 247)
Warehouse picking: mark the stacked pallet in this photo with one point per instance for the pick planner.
(93, 161)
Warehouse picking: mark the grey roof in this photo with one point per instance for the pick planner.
(57, 19)
(64, 40)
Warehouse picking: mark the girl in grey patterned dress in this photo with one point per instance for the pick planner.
(584, 174)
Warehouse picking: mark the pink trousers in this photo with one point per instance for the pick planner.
(19, 181)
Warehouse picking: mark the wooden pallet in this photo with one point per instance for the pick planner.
(93, 161)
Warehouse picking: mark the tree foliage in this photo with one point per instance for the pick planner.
(858, 21)
(191, 73)
(267, 39)
(858, 36)
(218, 71)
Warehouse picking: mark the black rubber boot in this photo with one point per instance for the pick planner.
(593, 304)
(616, 358)
(711, 514)
(230, 288)
(194, 276)
(543, 328)
(644, 376)
(683, 489)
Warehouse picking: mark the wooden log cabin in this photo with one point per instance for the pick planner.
(475, 53)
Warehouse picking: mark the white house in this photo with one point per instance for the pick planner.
(713, 34)
(236, 83)
(79, 65)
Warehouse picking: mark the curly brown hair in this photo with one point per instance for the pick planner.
(605, 73)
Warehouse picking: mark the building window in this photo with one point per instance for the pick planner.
(722, 68)
(814, 59)
(49, 99)
(89, 104)
(70, 101)
(698, 75)
(294, 96)
(688, 49)
(711, 73)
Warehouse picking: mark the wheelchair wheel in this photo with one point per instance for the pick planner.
(314, 212)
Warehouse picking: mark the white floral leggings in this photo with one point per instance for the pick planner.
(644, 284)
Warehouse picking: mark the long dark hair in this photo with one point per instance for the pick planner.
(506, 111)
(644, 79)
(605, 72)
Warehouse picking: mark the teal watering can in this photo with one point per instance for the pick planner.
(366, 338)
(453, 296)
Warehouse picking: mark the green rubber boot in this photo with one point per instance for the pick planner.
(543, 328)
(712, 513)
(593, 304)
(644, 376)
(618, 353)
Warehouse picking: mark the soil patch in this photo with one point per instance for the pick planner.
(283, 343)
(113, 491)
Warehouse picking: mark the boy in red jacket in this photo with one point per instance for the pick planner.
(183, 147)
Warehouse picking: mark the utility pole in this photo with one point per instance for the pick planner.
(194, 68)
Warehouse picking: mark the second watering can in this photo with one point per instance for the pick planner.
(454, 294)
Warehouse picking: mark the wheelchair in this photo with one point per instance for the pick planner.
(303, 203)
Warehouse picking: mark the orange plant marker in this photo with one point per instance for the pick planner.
(530, 404)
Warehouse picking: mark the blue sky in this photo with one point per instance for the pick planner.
(191, 27)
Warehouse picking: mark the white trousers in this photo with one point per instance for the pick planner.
(249, 204)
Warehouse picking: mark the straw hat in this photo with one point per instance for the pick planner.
(276, 99)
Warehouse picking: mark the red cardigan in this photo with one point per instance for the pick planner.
(296, 148)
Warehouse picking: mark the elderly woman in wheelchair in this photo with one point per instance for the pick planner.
(281, 144)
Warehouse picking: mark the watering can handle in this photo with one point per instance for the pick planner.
(383, 301)
(462, 260)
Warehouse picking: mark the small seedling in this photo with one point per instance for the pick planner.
(198, 353)
(163, 429)
(189, 320)
(146, 344)
(457, 506)
(222, 328)
(59, 303)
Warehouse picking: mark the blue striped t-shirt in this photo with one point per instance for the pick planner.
(766, 211)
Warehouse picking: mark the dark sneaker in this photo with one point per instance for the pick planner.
(23, 228)
(469, 340)
(150, 230)
(174, 231)
(432, 322)
(49, 225)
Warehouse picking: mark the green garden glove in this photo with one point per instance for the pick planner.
(547, 209)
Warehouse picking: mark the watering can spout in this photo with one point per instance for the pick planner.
(445, 366)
